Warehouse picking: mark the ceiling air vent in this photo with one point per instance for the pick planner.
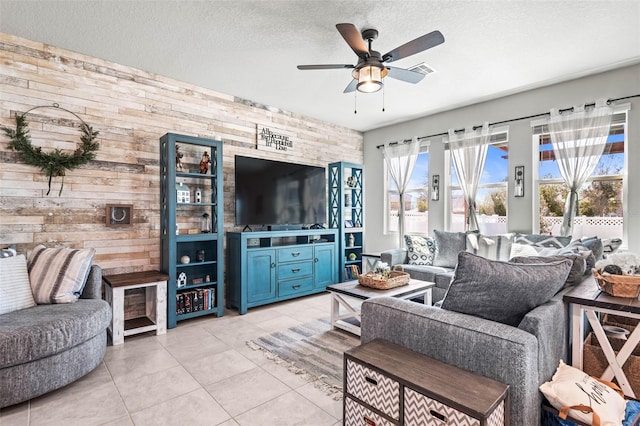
(422, 68)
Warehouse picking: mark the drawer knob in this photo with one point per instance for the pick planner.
(295, 254)
(294, 270)
(295, 287)
(371, 380)
(273, 265)
(438, 416)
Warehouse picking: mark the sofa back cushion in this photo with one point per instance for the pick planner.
(58, 275)
(420, 250)
(502, 291)
(15, 291)
(448, 245)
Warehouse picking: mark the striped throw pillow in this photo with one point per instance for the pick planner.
(58, 275)
(493, 247)
(15, 291)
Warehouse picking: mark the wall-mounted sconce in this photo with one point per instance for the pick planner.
(435, 187)
(519, 184)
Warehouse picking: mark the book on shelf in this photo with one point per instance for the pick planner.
(197, 300)
(351, 272)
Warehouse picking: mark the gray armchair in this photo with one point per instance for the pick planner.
(523, 357)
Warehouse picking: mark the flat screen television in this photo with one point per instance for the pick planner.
(277, 193)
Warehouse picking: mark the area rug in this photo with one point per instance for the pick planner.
(313, 350)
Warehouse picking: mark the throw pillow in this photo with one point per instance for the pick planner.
(542, 240)
(420, 250)
(494, 247)
(502, 291)
(448, 245)
(578, 265)
(611, 245)
(595, 245)
(518, 250)
(58, 275)
(570, 386)
(576, 248)
(15, 291)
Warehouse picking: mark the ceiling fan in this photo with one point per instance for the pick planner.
(371, 67)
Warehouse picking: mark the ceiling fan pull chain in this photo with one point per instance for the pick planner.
(355, 102)
(382, 98)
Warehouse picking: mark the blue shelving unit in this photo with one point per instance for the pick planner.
(201, 292)
(346, 213)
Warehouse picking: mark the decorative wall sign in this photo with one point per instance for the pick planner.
(119, 214)
(270, 140)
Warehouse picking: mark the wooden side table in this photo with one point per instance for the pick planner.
(155, 285)
(588, 300)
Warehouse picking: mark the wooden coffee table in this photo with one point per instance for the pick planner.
(353, 289)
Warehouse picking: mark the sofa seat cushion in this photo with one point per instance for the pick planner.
(425, 272)
(41, 331)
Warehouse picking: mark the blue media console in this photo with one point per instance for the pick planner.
(266, 267)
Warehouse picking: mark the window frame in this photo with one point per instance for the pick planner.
(424, 148)
(540, 129)
(499, 135)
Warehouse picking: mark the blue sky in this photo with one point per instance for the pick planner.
(495, 169)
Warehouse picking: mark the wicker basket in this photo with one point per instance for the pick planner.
(618, 285)
(373, 280)
(595, 362)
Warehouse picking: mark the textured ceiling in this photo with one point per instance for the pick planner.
(250, 49)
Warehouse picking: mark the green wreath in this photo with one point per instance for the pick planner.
(57, 162)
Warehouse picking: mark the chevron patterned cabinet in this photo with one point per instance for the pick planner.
(386, 384)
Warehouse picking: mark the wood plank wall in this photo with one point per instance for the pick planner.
(131, 109)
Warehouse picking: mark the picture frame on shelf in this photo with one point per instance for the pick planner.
(119, 214)
(348, 223)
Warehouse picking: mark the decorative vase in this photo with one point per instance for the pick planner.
(352, 240)
(185, 259)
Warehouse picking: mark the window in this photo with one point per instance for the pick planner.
(491, 198)
(416, 199)
(600, 208)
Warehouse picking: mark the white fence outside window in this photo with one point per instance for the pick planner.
(584, 226)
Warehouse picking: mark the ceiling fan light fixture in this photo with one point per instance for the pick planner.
(369, 78)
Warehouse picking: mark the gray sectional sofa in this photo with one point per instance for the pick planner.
(46, 347)
(523, 353)
(440, 275)
(523, 357)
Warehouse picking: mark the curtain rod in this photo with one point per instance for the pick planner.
(509, 121)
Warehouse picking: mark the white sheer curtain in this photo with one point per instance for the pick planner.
(400, 158)
(578, 140)
(469, 152)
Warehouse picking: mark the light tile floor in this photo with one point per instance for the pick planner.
(199, 373)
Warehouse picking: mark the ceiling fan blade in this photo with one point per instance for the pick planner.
(418, 45)
(354, 39)
(325, 67)
(405, 75)
(351, 86)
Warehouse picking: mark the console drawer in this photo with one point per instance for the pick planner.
(294, 270)
(357, 415)
(422, 410)
(376, 389)
(290, 254)
(295, 286)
